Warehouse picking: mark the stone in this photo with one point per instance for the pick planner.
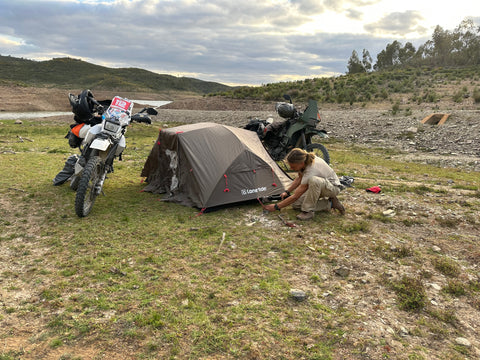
(389, 213)
(298, 295)
(462, 341)
(436, 286)
(342, 271)
(403, 332)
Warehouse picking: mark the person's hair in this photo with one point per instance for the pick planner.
(298, 156)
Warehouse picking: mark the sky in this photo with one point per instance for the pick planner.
(245, 42)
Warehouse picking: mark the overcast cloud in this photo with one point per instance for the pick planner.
(232, 42)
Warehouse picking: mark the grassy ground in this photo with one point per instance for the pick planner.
(143, 279)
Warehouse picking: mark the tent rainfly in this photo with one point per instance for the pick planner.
(207, 165)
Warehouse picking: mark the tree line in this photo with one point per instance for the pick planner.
(460, 47)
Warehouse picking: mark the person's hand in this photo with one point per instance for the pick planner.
(284, 195)
(269, 207)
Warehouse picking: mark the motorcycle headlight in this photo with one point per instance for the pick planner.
(111, 124)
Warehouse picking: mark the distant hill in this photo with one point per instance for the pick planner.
(74, 73)
(403, 85)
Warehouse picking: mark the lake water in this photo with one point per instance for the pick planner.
(30, 115)
(8, 115)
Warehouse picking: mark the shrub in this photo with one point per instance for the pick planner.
(476, 95)
(411, 293)
(446, 266)
(454, 288)
(431, 96)
(458, 97)
(395, 108)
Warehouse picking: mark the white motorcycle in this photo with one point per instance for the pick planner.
(102, 143)
(100, 136)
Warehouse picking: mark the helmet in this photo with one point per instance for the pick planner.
(82, 106)
(285, 110)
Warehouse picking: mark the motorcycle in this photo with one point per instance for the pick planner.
(100, 135)
(296, 131)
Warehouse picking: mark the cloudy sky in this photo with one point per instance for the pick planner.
(229, 41)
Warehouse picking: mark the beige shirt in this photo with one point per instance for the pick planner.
(321, 169)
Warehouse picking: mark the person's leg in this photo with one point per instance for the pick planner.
(316, 198)
(318, 194)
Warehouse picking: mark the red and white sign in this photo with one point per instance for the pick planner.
(122, 104)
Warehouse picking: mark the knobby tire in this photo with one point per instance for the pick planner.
(86, 193)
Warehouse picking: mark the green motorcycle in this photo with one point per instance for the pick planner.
(297, 131)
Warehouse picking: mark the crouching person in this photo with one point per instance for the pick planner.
(314, 189)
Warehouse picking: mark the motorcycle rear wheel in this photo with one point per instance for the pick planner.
(87, 190)
(320, 151)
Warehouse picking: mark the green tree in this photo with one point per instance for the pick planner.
(442, 46)
(406, 54)
(388, 57)
(366, 60)
(355, 66)
(466, 43)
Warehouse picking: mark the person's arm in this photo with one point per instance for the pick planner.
(300, 190)
(291, 188)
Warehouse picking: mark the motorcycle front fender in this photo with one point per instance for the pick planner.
(78, 168)
(100, 144)
(317, 132)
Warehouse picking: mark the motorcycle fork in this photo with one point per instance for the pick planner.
(302, 141)
(99, 184)
(110, 157)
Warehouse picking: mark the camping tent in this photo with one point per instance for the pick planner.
(207, 165)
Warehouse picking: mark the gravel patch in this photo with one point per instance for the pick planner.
(454, 143)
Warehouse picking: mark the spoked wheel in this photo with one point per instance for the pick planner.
(320, 151)
(89, 186)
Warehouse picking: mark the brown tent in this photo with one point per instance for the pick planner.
(207, 165)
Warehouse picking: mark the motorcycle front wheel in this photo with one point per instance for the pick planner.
(319, 150)
(88, 190)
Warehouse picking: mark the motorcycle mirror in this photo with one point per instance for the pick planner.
(287, 97)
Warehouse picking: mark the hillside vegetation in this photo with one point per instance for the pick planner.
(409, 84)
(73, 73)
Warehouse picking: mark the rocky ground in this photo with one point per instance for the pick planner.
(454, 143)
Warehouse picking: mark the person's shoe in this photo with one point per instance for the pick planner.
(305, 215)
(337, 205)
